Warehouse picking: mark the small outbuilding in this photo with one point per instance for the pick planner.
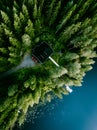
(41, 52)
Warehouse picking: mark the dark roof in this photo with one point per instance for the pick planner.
(42, 51)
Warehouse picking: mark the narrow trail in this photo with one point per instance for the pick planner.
(27, 62)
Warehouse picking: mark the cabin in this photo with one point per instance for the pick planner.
(41, 52)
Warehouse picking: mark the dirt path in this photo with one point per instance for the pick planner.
(27, 62)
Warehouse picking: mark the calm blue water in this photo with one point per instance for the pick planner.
(78, 111)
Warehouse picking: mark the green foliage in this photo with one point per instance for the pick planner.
(58, 72)
(66, 18)
(12, 90)
(70, 28)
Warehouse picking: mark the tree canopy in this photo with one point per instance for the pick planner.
(69, 27)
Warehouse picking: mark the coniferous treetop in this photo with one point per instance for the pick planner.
(69, 27)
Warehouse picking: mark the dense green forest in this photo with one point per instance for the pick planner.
(68, 26)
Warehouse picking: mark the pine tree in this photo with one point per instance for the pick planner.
(69, 27)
